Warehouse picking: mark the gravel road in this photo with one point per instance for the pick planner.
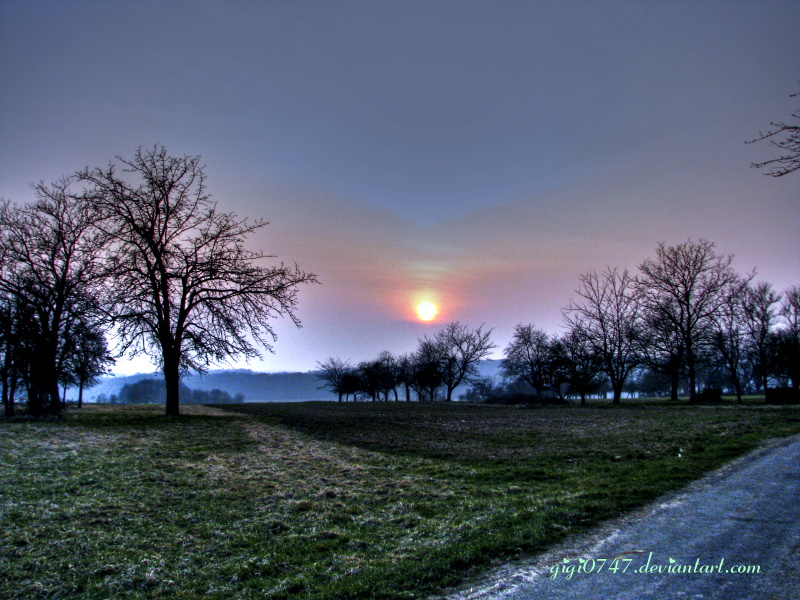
(688, 545)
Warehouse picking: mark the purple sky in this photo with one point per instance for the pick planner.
(477, 154)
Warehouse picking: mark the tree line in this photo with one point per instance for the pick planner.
(153, 391)
(439, 365)
(139, 251)
(686, 322)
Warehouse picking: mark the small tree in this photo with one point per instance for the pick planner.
(759, 307)
(50, 253)
(460, 350)
(185, 289)
(730, 337)
(10, 327)
(427, 369)
(405, 374)
(662, 351)
(334, 372)
(789, 336)
(87, 356)
(608, 317)
(529, 357)
(685, 286)
(576, 363)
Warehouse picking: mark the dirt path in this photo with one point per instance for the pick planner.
(689, 544)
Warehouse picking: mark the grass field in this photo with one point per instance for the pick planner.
(328, 500)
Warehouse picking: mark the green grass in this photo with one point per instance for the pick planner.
(328, 500)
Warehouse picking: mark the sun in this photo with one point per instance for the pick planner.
(426, 311)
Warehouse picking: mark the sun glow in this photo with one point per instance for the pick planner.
(426, 311)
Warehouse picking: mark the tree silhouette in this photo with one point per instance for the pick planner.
(50, 268)
(528, 357)
(760, 306)
(608, 317)
(789, 336)
(185, 289)
(334, 372)
(86, 356)
(460, 350)
(785, 137)
(685, 287)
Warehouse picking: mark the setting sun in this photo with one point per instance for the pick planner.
(426, 311)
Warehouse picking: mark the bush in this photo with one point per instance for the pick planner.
(520, 398)
(710, 395)
(782, 395)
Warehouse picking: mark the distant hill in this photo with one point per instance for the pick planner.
(255, 386)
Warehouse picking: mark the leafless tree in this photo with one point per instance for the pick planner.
(334, 372)
(576, 364)
(185, 288)
(790, 310)
(405, 374)
(785, 137)
(662, 350)
(86, 356)
(460, 350)
(426, 369)
(759, 305)
(789, 335)
(528, 357)
(50, 253)
(686, 286)
(379, 377)
(730, 336)
(608, 315)
(10, 325)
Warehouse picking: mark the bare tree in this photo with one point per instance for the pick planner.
(685, 287)
(334, 372)
(427, 368)
(528, 357)
(461, 349)
(662, 350)
(10, 340)
(608, 316)
(405, 374)
(50, 267)
(789, 335)
(185, 288)
(86, 356)
(730, 337)
(759, 305)
(576, 363)
(785, 137)
(389, 369)
(379, 377)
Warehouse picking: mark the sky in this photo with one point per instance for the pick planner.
(477, 155)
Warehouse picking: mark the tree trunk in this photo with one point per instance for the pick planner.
(36, 393)
(674, 383)
(11, 408)
(80, 394)
(692, 377)
(617, 389)
(7, 374)
(50, 387)
(172, 378)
